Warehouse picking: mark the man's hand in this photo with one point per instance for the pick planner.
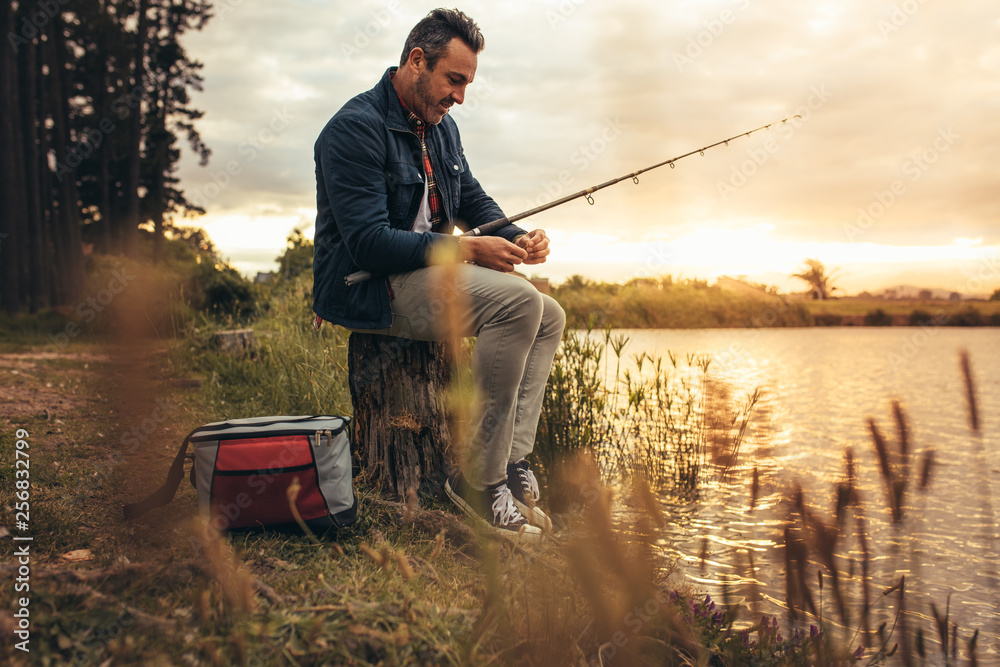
(491, 252)
(536, 244)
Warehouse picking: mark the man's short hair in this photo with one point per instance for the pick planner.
(436, 30)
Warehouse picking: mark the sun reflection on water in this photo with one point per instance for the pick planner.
(819, 387)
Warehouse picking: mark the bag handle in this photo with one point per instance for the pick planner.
(165, 493)
(213, 429)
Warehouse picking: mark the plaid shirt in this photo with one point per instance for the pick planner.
(419, 128)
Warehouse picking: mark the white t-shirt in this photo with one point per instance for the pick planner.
(422, 223)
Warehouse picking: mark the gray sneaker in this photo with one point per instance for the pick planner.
(494, 506)
(524, 488)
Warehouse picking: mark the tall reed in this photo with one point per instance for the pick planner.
(668, 421)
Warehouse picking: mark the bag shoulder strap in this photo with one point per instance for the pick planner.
(165, 493)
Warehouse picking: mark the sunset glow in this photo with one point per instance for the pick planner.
(887, 178)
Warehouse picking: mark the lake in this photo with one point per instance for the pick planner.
(820, 387)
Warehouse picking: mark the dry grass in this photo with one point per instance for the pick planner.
(402, 588)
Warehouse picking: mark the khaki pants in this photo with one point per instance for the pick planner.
(517, 331)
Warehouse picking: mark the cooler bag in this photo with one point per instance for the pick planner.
(243, 469)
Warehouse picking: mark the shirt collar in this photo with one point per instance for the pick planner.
(417, 125)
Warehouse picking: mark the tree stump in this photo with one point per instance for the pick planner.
(237, 341)
(400, 426)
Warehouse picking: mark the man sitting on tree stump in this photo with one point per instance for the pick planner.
(392, 181)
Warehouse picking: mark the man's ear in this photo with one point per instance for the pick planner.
(416, 60)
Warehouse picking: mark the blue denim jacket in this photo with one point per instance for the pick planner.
(369, 185)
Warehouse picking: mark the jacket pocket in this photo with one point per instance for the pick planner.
(404, 184)
(454, 163)
(450, 182)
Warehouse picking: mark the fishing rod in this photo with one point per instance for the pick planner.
(489, 227)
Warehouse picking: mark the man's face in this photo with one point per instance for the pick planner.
(437, 89)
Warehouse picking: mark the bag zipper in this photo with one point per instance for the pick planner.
(219, 433)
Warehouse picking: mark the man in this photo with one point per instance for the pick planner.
(392, 182)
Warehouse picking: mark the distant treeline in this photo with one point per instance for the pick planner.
(95, 95)
(666, 303)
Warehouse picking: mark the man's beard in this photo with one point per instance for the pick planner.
(423, 90)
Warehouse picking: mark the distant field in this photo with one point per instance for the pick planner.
(847, 307)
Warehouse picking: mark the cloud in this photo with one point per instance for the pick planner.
(666, 78)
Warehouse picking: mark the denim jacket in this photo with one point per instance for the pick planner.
(369, 186)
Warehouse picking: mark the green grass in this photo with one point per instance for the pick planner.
(664, 303)
(160, 591)
(862, 306)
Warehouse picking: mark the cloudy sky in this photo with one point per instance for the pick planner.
(890, 175)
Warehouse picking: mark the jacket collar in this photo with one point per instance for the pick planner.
(395, 117)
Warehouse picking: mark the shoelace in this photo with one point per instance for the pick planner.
(529, 482)
(504, 510)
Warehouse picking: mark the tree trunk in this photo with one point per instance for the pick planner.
(9, 210)
(103, 108)
(67, 240)
(18, 238)
(400, 429)
(30, 129)
(130, 231)
(45, 263)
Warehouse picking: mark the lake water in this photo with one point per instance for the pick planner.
(821, 385)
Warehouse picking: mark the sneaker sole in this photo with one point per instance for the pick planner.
(534, 515)
(527, 533)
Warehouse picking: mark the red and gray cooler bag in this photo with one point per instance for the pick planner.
(243, 469)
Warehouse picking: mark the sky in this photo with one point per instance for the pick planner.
(889, 176)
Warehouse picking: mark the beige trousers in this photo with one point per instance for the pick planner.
(517, 331)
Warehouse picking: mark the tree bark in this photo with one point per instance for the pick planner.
(68, 248)
(31, 127)
(130, 231)
(103, 108)
(400, 425)
(9, 209)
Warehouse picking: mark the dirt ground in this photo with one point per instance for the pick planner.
(45, 384)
